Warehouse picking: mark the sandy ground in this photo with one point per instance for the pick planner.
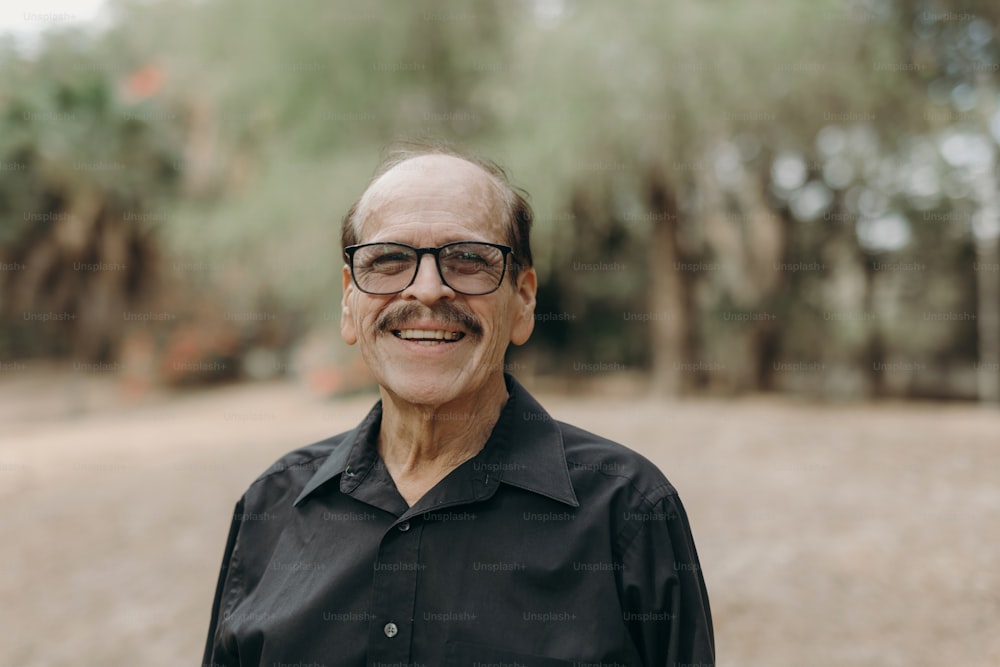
(836, 535)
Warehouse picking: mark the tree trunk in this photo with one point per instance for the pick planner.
(988, 289)
(987, 240)
(669, 312)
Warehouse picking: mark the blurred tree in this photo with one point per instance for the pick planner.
(89, 158)
(959, 40)
(719, 187)
(686, 127)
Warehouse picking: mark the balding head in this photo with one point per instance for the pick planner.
(431, 172)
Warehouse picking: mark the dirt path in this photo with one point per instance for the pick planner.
(829, 535)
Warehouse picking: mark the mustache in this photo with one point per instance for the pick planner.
(441, 311)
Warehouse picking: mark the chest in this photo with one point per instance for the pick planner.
(519, 572)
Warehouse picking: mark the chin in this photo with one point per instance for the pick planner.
(423, 387)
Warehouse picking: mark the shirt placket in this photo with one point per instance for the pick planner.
(394, 589)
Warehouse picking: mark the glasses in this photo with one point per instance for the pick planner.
(472, 268)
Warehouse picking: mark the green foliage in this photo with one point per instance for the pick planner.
(256, 124)
(69, 130)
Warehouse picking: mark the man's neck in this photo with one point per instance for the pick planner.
(421, 444)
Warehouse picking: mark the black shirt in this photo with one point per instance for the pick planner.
(552, 546)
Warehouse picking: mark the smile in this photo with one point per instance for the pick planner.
(428, 336)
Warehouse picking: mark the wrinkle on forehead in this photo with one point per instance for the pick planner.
(439, 183)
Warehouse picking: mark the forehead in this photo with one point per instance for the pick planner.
(446, 194)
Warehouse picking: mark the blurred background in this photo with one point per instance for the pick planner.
(768, 243)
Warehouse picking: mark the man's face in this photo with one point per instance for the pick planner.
(429, 201)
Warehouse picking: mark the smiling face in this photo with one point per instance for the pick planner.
(429, 345)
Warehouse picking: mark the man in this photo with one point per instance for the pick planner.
(458, 524)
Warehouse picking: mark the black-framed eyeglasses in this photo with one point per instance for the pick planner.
(472, 268)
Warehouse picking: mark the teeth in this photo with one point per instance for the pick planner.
(424, 334)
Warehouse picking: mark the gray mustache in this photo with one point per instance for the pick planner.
(442, 312)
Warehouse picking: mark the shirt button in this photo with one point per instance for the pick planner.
(390, 630)
(403, 527)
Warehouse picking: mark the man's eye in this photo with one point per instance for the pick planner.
(390, 263)
(467, 262)
(392, 257)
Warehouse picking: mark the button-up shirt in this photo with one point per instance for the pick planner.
(552, 546)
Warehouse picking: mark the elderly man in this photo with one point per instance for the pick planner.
(458, 524)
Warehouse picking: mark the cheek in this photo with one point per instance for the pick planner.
(367, 332)
(498, 330)
(365, 316)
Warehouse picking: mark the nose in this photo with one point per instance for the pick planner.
(427, 287)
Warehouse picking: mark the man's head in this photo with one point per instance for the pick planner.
(430, 344)
(516, 212)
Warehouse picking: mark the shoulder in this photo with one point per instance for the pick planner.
(630, 490)
(300, 460)
(284, 479)
(596, 460)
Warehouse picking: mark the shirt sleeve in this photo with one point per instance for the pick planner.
(216, 653)
(664, 600)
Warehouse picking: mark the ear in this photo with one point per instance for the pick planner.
(524, 306)
(347, 329)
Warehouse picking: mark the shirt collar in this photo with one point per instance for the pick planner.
(525, 450)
